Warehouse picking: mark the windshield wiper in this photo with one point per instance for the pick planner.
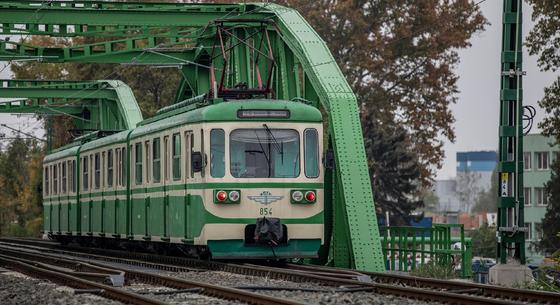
(268, 161)
(279, 148)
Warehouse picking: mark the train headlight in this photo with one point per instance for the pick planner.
(227, 196)
(234, 196)
(310, 196)
(221, 196)
(297, 196)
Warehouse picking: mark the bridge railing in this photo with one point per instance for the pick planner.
(406, 248)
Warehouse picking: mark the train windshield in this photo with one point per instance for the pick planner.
(264, 153)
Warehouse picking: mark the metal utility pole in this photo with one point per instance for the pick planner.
(511, 231)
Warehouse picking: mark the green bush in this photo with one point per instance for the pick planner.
(435, 270)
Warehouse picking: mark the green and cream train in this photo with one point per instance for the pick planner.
(236, 180)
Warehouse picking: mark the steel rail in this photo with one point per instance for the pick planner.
(76, 282)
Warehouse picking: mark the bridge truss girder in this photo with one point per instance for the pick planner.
(92, 105)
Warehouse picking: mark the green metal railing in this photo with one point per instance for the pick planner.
(407, 248)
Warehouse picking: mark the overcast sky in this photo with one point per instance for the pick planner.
(476, 112)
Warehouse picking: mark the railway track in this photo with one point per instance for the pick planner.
(42, 265)
(400, 285)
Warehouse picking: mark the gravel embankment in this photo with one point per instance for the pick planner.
(19, 289)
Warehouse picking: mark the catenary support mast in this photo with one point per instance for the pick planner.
(511, 230)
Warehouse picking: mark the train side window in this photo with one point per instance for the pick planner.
(187, 138)
(156, 160)
(73, 183)
(122, 166)
(118, 164)
(69, 176)
(202, 152)
(176, 158)
(91, 170)
(55, 179)
(192, 150)
(217, 153)
(64, 178)
(110, 168)
(138, 162)
(148, 161)
(46, 190)
(311, 152)
(97, 171)
(85, 173)
(166, 157)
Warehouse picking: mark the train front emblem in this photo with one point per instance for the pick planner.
(265, 198)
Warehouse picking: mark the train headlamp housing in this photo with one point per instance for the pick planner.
(227, 196)
(303, 196)
(310, 196)
(297, 196)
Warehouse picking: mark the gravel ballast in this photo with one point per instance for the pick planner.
(19, 289)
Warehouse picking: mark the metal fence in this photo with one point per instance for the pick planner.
(406, 248)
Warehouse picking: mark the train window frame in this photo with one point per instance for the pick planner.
(47, 180)
(166, 163)
(216, 144)
(305, 151)
(138, 163)
(297, 168)
(123, 167)
(97, 171)
(64, 177)
(156, 160)
(188, 148)
(103, 163)
(55, 179)
(74, 180)
(148, 161)
(85, 173)
(191, 152)
(91, 172)
(176, 156)
(110, 168)
(118, 166)
(202, 152)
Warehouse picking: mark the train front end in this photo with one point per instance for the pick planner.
(264, 181)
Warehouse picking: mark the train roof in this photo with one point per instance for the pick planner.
(227, 112)
(220, 112)
(66, 151)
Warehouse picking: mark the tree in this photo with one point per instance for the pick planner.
(399, 57)
(430, 199)
(550, 241)
(484, 241)
(487, 201)
(394, 170)
(20, 187)
(544, 41)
